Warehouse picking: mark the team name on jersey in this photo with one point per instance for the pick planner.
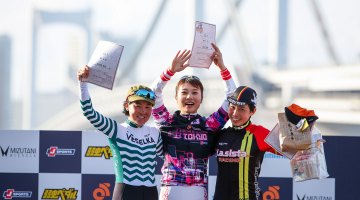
(191, 135)
(231, 153)
(147, 140)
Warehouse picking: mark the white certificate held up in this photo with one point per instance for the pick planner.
(202, 50)
(103, 64)
(273, 140)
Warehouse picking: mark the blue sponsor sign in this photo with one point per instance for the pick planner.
(97, 186)
(60, 152)
(276, 188)
(343, 164)
(19, 186)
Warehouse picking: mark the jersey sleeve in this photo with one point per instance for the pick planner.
(159, 147)
(229, 87)
(260, 134)
(159, 111)
(104, 124)
(118, 168)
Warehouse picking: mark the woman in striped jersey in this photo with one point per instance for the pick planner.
(138, 144)
(240, 150)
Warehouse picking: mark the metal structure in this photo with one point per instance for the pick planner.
(70, 117)
(42, 18)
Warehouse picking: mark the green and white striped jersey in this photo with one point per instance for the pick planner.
(138, 146)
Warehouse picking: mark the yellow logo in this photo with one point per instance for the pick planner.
(98, 151)
(63, 194)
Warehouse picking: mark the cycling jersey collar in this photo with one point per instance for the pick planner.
(242, 126)
(132, 124)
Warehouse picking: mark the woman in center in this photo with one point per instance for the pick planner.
(188, 138)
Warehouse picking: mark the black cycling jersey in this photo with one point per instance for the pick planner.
(240, 152)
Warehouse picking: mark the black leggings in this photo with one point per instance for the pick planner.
(130, 192)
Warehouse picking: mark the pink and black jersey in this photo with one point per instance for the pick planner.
(188, 141)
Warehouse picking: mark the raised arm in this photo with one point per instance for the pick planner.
(218, 119)
(100, 122)
(178, 64)
(225, 75)
(217, 57)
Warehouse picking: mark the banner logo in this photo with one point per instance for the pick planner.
(102, 191)
(300, 198)
(54, 151)
(305, 197)
(11, 193)
(18, 152)
(272, 193)
(4, 153)
(98, 151)
(63, 194)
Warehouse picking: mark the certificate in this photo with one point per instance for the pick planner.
(202, 50)
(103, 64)
(273, 140)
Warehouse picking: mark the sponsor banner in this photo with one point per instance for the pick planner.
(19, 151)
(276, 188)
(96, 153)
(18, 186)
(97, 186)
(275, 166)
(343, 163)
(60, 152)
(100, 186)
(59, 186)
(272, 188)
(314, 189)
(60, 156)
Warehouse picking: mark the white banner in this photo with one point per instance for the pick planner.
(315, 189)
(19, 151)
(96, 153)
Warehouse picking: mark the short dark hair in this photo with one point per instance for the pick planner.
(126, 112)
(193, 80)
(252, 107)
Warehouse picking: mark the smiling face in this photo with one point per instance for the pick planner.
(239, 115)
(188, 98)
(139, 111)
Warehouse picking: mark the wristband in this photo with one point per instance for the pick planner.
(225, 74)
(167, 74)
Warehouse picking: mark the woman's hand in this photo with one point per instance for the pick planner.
(178, 63)
(83, 73)
(217, 57)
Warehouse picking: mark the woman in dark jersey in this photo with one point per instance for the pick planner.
(188, 138)
(240, 150)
